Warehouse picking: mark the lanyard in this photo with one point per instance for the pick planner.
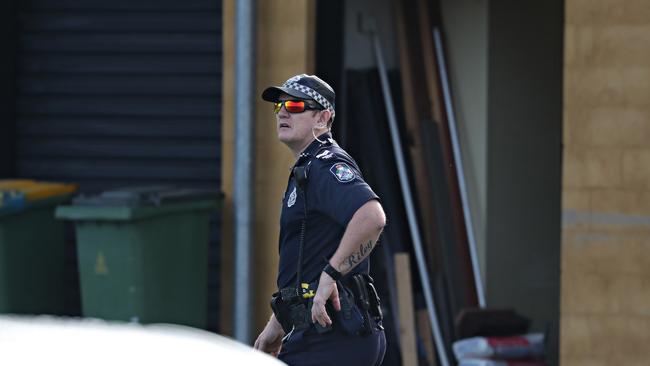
(300, 178)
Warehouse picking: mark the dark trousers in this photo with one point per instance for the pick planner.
(334, 348)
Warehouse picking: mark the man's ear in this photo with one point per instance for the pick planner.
(325, 116)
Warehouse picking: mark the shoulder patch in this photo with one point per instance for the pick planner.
(342, 172)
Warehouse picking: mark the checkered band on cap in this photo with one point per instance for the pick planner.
(293, 84)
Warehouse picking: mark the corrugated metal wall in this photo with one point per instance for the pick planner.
(119, 93)
(7, 89)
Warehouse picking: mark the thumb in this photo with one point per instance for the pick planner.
(334, 297)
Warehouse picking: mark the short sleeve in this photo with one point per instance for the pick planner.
(339, 189)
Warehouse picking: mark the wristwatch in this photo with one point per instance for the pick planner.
(336, 275)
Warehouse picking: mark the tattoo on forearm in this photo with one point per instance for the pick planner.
(356, 257)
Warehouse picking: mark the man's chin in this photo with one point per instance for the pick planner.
(283, 137)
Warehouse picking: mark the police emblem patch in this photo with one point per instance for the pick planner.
(292, 198)
(342, 172)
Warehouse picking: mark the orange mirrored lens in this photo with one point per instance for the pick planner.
(294, 107)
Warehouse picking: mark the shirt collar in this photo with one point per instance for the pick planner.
(315, 145)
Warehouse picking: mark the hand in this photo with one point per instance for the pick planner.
(270, 340)
(327, 290)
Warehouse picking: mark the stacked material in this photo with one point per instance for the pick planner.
(524, 350)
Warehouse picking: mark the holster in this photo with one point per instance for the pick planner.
(350, 320)
(367, 300)
(281, 311)
(293, 311)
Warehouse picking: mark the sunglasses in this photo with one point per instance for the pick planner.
(294, 106)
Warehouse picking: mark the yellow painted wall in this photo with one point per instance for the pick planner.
(285, 47)
(605, 300)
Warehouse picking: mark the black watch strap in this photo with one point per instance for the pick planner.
(336, 275)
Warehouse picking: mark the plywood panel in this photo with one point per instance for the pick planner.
(227, 167)
(405, 309)
(284, 48)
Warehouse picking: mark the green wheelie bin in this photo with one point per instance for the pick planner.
(143, 253)
(32, 247)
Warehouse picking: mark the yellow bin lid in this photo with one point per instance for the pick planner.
(34, 190)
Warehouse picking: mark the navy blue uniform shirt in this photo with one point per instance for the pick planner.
(335, 190)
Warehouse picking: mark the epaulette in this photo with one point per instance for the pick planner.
(324, 154)
(325, 151)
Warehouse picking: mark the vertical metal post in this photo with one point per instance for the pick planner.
(460, 172)
(243, 200)
(408, 202)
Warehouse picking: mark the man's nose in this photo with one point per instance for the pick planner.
(283, 112)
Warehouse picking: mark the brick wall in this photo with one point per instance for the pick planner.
(605, 300)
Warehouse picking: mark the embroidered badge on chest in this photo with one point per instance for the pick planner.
(292, 198)
(342, 172)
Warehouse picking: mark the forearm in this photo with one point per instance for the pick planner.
(270, 340)
(274, 324)
(360, 237)
(357, 242)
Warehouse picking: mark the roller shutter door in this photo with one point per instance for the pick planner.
(120, 93)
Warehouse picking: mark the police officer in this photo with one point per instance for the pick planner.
(330, 222)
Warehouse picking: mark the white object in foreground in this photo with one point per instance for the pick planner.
(45, 340)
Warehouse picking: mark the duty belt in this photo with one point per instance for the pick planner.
(359, 302)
